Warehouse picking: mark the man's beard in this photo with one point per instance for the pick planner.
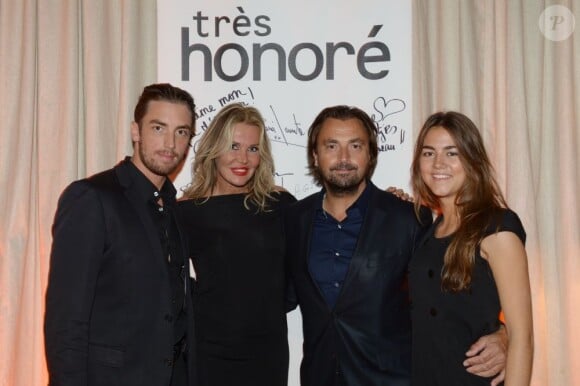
(342, 185)
(157, 168)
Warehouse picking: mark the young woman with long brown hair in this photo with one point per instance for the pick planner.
(471, 264)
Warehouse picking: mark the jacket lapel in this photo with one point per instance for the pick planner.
(135, 200)
(369, 234)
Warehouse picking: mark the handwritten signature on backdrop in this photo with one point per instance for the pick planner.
(290, 130)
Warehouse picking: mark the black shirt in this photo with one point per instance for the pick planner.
(161, 205)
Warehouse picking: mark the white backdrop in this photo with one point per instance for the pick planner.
(290, 60)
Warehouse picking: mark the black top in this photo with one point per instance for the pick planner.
(161, 205)
(445, 324)
(238, 256)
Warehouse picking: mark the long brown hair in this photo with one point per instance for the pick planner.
(478, 201)
(216, 140)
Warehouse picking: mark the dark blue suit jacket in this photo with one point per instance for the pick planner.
(365, 338)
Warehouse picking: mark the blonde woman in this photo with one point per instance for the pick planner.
(232, 217)
(472, 262)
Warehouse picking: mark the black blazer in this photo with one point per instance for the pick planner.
(108, 303)
(366, 338)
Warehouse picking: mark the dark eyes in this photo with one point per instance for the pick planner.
(430, 153)
(354, 145)
(182, 133)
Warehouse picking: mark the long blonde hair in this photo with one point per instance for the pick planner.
(478, 202)
(217, 140)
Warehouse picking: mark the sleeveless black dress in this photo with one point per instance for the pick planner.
(446, 324)
(238, 256)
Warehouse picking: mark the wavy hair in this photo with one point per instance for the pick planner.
(216, 141)
(478, 201)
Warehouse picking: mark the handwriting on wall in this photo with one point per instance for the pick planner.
(286, 129)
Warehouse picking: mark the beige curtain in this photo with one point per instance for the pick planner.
(70, 73)
(490, 60)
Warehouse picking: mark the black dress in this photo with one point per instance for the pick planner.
(446, 324)
(238, 256)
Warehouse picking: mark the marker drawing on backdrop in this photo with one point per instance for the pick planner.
(285, 127)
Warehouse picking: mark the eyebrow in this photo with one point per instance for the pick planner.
(161, 123)
(333, 140)
(157, 122)
(445, 148)
(251, 144)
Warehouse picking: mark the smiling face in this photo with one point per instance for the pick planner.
(342, 155)
(161, 139)
(236, 166)
(440, 165)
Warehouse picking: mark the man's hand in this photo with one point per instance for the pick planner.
(487, 356)
(400, 193)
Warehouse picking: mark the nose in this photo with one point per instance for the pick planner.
(169, 140)
(242, 157)
(344, 154)
(438, 161)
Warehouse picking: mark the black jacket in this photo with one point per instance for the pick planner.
(365, 339)
(108, 303)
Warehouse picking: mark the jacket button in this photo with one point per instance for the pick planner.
(430, 273)
(168, 362)
(168, 318)
(433, 312)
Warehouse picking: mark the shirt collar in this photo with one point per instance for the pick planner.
(146, 189)
(361, 204)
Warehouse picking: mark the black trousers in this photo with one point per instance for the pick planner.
(179, 375)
